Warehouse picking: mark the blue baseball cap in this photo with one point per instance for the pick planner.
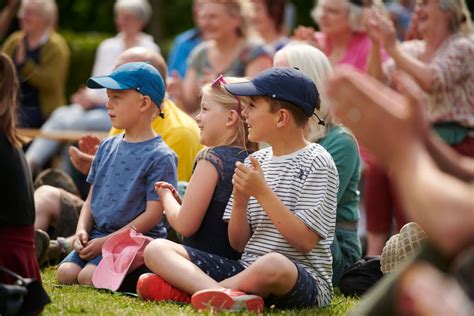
(138, 76)
(282, 83)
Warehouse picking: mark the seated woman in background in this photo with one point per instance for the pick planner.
(441, 64)
(342, 146)
(41, 58)
(268, 21)
(228, 50)
(342, 36)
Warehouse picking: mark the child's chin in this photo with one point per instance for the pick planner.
(253, 139)
(117, 126)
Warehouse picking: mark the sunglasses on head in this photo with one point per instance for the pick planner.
(220, 80)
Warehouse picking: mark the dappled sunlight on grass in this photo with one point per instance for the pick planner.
(82, 300)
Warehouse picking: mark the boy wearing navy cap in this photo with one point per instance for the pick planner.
(124, 170)
(281, 214)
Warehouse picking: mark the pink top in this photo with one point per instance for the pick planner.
(451, 97)
(356, 54)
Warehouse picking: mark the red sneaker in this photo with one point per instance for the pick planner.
(227, 300)
(153, 288)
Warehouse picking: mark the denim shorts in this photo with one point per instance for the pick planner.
(303, 294)
(73, 256)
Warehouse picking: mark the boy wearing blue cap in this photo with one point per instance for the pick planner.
(281, 214)
(124, 170)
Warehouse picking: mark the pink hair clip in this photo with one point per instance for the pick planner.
(220, 80)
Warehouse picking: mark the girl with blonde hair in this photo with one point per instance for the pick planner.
(198, 216)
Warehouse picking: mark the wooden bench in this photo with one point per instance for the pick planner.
(62, 136)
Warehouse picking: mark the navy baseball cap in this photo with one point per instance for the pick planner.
(282, 83)
(138, 76)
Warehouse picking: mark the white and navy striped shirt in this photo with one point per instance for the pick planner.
(306, 181)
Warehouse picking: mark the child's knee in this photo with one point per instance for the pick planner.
(67, 273)
(85, 276)
(274, 266)
(154, 249)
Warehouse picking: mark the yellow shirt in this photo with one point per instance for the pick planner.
(180, 132)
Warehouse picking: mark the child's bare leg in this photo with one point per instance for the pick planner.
(47, 206)
(170, 261)
(68, 273)
(272, 273)
(85, 276)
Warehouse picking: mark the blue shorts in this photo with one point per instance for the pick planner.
(73, 256)
(303, 294)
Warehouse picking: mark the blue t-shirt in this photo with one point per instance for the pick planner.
(123, 175)
(182, 47)
(212, 235)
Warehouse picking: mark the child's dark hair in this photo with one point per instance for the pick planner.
(8, 93)
(298, 115)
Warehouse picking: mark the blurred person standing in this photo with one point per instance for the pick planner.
(41, 57)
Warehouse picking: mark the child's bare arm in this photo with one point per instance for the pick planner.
(187, 217)
(239, 229)
(147, 220)
(251, 181)
(85, 222)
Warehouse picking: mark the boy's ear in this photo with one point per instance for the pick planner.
(146, 103)
(283, 117)
(232, 118)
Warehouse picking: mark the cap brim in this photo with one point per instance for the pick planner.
(105, 82)
(247, 89)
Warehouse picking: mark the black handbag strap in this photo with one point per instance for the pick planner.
(13, 274)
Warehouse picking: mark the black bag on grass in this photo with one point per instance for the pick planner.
(361, 276)
(25, 297)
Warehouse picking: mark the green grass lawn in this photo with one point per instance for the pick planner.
(80, 300)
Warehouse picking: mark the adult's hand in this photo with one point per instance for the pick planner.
(385, 121)
(81, 158)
